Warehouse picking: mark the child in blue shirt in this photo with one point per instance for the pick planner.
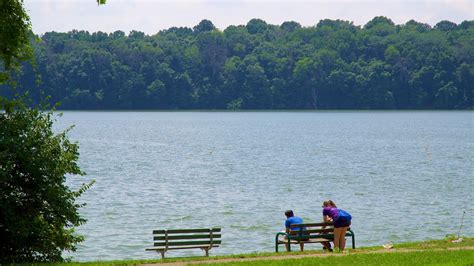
(292, 219)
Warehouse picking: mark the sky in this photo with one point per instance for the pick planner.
(151, 16)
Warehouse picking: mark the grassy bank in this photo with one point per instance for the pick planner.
(426, 257)
(433, 252)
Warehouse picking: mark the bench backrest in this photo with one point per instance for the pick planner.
(187, 237)
(312, 230)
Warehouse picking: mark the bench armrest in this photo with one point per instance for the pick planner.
(277, 239)
(282, 234)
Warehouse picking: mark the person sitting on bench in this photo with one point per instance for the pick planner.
(292, 219)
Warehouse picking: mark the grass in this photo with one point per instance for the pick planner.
(438, 244)
(426, 257)
(426, 252)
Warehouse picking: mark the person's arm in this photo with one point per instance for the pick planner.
(326, 218)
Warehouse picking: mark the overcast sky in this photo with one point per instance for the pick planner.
(150, 16)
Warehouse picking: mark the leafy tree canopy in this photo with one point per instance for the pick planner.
(15, 27)
(203, 26)
(38, 212)
(260, 66)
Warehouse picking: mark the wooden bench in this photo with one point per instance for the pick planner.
(205, 239)
(311, 233)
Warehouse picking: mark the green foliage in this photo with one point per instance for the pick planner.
(38, 212)
(333, 65)
(203, 26)
(15, 27)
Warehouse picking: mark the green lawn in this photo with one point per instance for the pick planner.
(439, 257)
(432, 252)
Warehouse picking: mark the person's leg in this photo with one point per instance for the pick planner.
(337, 237)
(342, 241)
(286, 243)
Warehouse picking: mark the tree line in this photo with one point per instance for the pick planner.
(332, 65)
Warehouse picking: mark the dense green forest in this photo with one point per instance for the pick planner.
(333, 65)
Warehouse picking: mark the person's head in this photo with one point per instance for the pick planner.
(289, 213)
(329, 203)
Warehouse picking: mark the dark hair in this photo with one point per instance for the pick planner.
(289, 213)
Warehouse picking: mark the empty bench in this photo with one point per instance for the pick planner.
(205, 239)
(311, 233)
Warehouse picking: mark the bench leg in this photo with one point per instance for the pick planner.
(277, 242)
(162, 254)
(353, 239)
(206, 250)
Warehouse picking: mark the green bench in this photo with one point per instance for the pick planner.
(311, 233)
(205, 239)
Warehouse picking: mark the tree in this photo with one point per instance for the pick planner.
(204, 26)
(420, 27)
(212, 51)
(290, 26)
(15, 27)
(255, 26)
(38, 212)
(446, 96)
(380, 20)
(445, 25)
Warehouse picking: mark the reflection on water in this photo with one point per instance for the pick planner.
(403, 176)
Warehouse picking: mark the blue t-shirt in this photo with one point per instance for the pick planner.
(344, 215)
(293, 220)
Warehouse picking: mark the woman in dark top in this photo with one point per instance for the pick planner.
(341, 219)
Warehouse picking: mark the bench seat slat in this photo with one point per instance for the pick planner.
(311, 240)
(175, 237)
(186, 243)
(311, 231)
(180, 231)
(312, 225)
(312, 236)
(314, 231)
(185, 247)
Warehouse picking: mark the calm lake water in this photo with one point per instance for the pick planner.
(403, 176)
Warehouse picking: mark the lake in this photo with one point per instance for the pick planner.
(404, 176)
